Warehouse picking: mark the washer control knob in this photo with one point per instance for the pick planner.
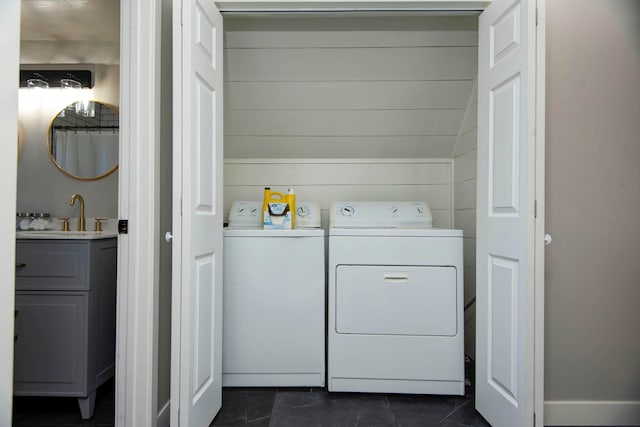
(420, 210)
(347, 210)
(394, 210)
(302, 210)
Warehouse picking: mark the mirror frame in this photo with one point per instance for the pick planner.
(55, 162)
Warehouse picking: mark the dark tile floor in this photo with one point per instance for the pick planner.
(64, 411)
(316, 407)
(288, 407)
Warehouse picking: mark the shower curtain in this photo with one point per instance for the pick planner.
(86, 154)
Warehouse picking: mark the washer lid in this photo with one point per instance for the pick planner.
(415, 215)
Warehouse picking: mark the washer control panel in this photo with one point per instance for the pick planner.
(248, 214)
(245, 214)
(308, 215)
(380, 215)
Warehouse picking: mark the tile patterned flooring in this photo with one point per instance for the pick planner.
(318, 408)
(277, 407)
(64, 411)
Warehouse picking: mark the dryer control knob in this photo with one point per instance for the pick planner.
(347, 210)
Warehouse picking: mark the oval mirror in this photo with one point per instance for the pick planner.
(84, 139)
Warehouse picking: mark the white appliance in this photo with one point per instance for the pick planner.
(274, 301)
(394, 301)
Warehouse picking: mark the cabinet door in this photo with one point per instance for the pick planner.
(50, 350)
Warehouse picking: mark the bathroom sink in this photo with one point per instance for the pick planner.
(59, 234)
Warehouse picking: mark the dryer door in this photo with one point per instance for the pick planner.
(396, 300)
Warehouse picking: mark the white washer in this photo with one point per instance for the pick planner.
(274, 301)
(394, 301)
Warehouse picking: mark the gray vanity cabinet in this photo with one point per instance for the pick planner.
(65, 318)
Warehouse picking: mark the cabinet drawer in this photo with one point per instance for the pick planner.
(52, 265)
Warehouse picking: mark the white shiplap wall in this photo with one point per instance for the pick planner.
(465, 160)
(346, 87)
(323, 181)
(361, 108)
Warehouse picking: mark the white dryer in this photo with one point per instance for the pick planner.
(395, 301)
(273, 300)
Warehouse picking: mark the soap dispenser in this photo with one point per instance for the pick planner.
(291, 201)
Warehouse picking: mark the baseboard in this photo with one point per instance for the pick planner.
(164, 415)
(591, 413)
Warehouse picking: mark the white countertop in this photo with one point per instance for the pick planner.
(65, 235)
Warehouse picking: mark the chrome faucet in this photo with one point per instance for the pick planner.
(81, 221)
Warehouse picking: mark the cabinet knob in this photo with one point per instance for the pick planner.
(547, 239)
(168, 236)
(20, 264)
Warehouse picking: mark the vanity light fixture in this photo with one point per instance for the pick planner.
(37, 84)
(66, 79)
(70, 84)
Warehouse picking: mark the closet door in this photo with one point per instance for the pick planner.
(506, 223)
(196, 356)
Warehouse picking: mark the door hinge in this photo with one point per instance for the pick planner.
(123, 226)
(534, 419)
(535, 209)
(536, 16)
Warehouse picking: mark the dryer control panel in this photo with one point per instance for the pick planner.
(354, 214)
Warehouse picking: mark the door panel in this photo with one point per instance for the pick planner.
(196, 390)
(505, 214)
(504, 150)
(503, 293)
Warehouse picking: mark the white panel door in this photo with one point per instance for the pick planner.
(10, 48)
(196, 357)
(505, 215)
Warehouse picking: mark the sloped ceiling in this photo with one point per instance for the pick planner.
(70, 32)
(347, 86)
